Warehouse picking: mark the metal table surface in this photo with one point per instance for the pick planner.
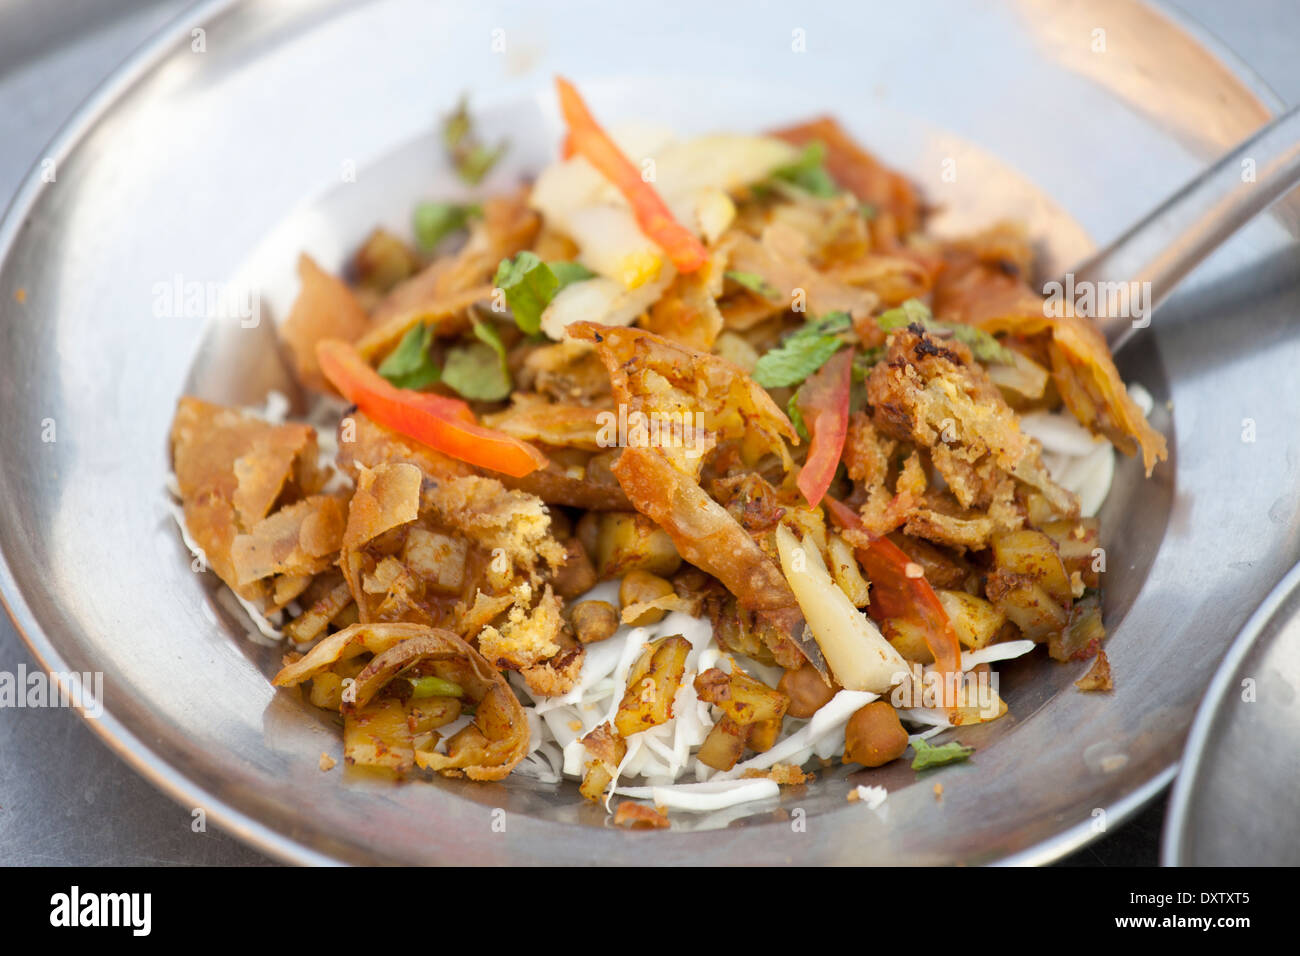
(65, 798)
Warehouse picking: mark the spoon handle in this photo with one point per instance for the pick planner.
(1173, 239)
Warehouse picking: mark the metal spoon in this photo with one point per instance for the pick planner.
(1164, 246)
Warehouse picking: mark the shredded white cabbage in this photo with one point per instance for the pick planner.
(702, 797)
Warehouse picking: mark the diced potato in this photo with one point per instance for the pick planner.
(607, 750)
(494, 714)
(429, 713)
(312, 622)
(378, 735)
(763, 734)
(974, 619)
(437, 558)
(723, 746)
(1083, 628)
(908, 638)
(628, 541)
(1033, 554)
(977, 702)
(1076, 541)
(652, 684)
(745, 700)
(845, 571)
(596, 781)
(466, 743)
(1027, 605)
(327, 690)
(736, 350)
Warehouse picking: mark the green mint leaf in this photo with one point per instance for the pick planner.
(435, 221)
(803, 352)
(530, 284)
(478, 370)
(754, 283)
(795, 359)
(457, 127)
(477, 161)
(567, 273)
(808, 172)
(471, 158)
(911, 312)
(928, 756)
(410, 365)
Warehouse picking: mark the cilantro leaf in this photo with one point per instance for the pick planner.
(928, 756)
(435, 221)
(808, 172)
(754, 283)
(802, 353)
(410, 365)
(478, 370)
(530, 284)
(983, 346)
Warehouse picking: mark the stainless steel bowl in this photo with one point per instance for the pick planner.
(215, 156)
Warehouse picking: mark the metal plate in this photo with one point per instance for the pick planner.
(188, 160)
(1235, 798)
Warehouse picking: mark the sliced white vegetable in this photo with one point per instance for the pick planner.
(1090, 479)
(995, 652)
(602, 300)
(724, 161)
(1059, 432)
(610, 242)
(859, 657)
(702, 797)
(712, 212)
(1141, 397)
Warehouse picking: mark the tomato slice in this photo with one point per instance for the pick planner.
(895, 594)
(824, 403)
(589, 141)
(445, 424)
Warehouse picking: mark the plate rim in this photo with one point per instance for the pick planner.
(242, 824)
(1174, 848)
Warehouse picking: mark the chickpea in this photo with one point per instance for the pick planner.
(576, 576)
(807, 691)
(874, 735)
(593, 621)
(639, 587)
